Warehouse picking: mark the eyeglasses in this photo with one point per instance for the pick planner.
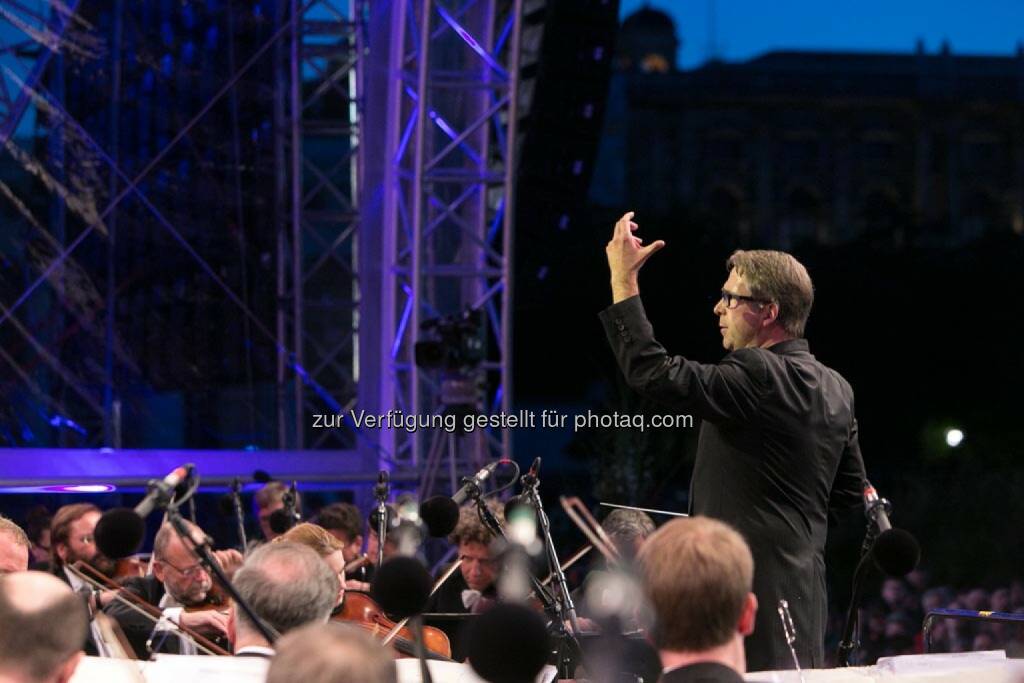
(731, 300)
(187, 572)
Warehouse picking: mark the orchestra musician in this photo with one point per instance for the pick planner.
(33, 649)
(269, 500)
(472, 589)
(287, 585)
(345, 523)
(330, 653)
(697, 574)
(14, 547)
(72, 540)
(324, 544)
(179, 582)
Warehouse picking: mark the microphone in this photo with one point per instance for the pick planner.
(895, 551)
(440, 514)
(499, 658)
(380, 490)
(162, 489)
(119, 533)
(284, 519)
(530, 478)
(474, 484)
(876, 509)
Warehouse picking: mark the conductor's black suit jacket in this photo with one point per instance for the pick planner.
(778, 446)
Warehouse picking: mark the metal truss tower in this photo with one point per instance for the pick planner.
(319, 172)
(448, 220)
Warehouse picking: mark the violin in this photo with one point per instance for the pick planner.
(130, 567)
(94, 578)
(216, 599)
(357, 563)
(359, 609)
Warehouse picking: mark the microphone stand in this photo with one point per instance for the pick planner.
(236, 502)
(848, 643)
(531, 483)
(291, 499)
(205, 556)
(552, 607)
(564, 607)
(380, 492)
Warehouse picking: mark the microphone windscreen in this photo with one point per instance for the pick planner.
(119, 533)
(262, 477)
(509, 644)
(440, 514)
(280, 521)
(401, 586)
(519, 504)
(896, 552)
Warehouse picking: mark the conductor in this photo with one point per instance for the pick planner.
(778, 438)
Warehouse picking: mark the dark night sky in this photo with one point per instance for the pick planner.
(746, 28)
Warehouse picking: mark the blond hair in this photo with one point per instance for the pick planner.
(312, 536)
(330, 653)
(780, 278)
(696, 574)
(16, 532)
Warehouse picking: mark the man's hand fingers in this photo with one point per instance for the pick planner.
(647, 251)
(621, 225)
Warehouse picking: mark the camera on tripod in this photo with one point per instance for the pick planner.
(454, 342)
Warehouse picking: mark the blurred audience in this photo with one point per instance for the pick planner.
(891, 622)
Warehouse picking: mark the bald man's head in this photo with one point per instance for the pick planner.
(43, 626)
(14, 547)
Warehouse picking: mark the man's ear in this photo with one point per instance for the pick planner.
(62, 551)
(747, 615)
(772, 314)
(67, 669)
(158, 571)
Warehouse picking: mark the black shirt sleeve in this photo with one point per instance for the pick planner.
(723, 392)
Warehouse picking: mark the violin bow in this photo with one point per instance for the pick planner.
(92, 577)
(650, 510)
(591, 528)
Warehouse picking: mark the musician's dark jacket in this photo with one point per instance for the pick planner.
(137, 627)
(777, 448)
(448, 600)
(89, 647)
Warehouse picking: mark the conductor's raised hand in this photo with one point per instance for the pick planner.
(626, 256)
